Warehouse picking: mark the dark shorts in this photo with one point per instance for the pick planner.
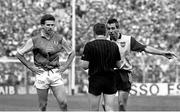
(122, 80)
(102, 84)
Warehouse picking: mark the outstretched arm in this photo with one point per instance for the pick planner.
(152, 50)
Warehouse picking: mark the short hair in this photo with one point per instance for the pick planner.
(99, 29)
(47, 17)
(113, 20)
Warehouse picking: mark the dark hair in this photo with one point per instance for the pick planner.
(99, 29)
(113, 20)
(47, 17)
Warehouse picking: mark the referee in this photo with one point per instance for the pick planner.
(100, 56)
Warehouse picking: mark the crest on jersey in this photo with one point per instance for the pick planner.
(55, 42)
(122, 44)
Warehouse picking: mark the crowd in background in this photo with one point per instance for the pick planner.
(151, 22)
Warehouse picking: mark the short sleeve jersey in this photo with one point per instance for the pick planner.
(102, 56)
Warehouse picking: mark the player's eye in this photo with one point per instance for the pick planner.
(50, 24)
(113, 28)
(108, 28)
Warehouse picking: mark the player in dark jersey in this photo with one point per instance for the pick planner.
(127, 44)
(100, 56)
(46, 47)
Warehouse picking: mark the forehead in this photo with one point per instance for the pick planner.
(49, 22)
(112, 25)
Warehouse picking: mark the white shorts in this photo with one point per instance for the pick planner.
(48, 78)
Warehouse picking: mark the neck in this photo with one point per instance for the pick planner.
(45, 34)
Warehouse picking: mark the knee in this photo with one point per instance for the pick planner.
(94, 107)
(108, 108)
(42, 106)
(63, 105)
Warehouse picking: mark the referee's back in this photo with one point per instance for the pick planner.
(102, 54)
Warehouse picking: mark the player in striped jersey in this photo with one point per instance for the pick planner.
(127, 44)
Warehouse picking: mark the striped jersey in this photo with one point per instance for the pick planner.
(102, 56)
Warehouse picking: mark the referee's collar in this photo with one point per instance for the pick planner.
(100, 37)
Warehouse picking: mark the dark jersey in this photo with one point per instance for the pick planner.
(102, 56)
(136, 46)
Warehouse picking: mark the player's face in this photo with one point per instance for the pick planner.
(112, 31)
(49, 26)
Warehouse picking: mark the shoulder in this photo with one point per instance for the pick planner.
(126, 36)
(59, 37)
(36, 37)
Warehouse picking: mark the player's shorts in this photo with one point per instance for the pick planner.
(102, 84)
(48, 78)
(122, 80)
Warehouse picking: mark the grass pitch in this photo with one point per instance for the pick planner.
(80, 103)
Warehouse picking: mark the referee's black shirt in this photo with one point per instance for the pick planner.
(102, 56)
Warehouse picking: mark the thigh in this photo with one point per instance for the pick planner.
(60, 93)
(94, 101)
(123, 95)
(109, 100)
(42, 95)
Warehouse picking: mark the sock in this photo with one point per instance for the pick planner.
(121, 108)
(103, 106)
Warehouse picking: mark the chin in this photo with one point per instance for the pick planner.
(113, 38)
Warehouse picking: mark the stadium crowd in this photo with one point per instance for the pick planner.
(152, 22)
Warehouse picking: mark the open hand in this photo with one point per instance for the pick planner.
(36, 70)
(170, 55)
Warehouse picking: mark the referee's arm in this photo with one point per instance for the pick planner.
(118, 64)
(84, 62)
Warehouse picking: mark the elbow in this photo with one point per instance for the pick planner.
(83, 65)
(18, 55)
(85, 68)
(73, 53)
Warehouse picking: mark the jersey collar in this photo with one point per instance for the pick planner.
(44, 35)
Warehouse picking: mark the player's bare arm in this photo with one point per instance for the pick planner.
(152, 50)
(118, 64)
(71, 56)
(20, 55)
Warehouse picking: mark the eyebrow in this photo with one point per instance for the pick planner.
(50, 24)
